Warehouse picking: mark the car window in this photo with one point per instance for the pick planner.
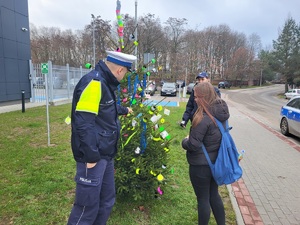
(295, 103)
(169, 85)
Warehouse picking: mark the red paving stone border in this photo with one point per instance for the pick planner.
(246, 205)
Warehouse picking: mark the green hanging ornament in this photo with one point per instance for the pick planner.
(88, 66)
(161, 128)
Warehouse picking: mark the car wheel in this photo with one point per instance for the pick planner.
(284, 127)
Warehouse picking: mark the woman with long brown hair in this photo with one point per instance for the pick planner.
(205, 130)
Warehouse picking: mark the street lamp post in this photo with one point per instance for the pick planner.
(93, 17)
(135, 35)
(260, 80)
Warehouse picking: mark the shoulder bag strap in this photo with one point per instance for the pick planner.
(220, 125)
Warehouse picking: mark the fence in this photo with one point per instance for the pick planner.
(60, 81)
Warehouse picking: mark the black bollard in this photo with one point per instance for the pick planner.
(23, 101)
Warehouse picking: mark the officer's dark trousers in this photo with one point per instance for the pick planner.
(206, 190)
(95, 194)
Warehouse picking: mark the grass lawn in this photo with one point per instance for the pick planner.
(36, 180)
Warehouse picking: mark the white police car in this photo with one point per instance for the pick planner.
(290, 117)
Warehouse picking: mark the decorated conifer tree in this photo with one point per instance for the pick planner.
(141, 164)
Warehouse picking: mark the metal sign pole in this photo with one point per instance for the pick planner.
(47, 108)
(44, 70)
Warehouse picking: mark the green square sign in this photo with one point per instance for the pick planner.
(44, 68)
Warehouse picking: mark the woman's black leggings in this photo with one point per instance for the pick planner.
(207, 194)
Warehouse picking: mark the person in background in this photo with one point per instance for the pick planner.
(191, 106)
(95, 134)
(205, 130)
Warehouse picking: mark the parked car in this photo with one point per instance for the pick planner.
(168, 89)
(224, 84)
(151, 88)
(189, 88)
(57, 82)
(291, 93)
(154, 83)
(39, 83)
(72, 83)
(290, 117)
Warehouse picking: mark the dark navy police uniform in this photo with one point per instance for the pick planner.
(95, 134)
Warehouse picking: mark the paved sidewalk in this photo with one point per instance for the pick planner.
(18, 106)
(269, 192)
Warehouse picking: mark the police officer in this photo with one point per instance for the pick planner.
(191, 106)
(95, 133)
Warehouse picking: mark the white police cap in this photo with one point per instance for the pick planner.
(121, 59)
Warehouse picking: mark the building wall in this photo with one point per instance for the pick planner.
(14, 50)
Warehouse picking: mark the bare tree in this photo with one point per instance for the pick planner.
(152, 40)
(192, 53)
(40, 44)
(175, 30)
(224, 53)
(239, 65)
(102, 34)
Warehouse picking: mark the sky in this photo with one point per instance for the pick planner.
(265, 18)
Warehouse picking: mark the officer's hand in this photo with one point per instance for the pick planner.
(90, 165)
(130, 110)
(182, 124)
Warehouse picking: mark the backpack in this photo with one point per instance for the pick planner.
(226, 169)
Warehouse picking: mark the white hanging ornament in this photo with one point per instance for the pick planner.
(137, 150)
(155, 118)
(133, 123)
(164, 134)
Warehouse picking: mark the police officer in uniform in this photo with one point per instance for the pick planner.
(191, 106)
(95, 133)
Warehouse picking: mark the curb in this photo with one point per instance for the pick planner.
(245, 204)
(239, 218)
